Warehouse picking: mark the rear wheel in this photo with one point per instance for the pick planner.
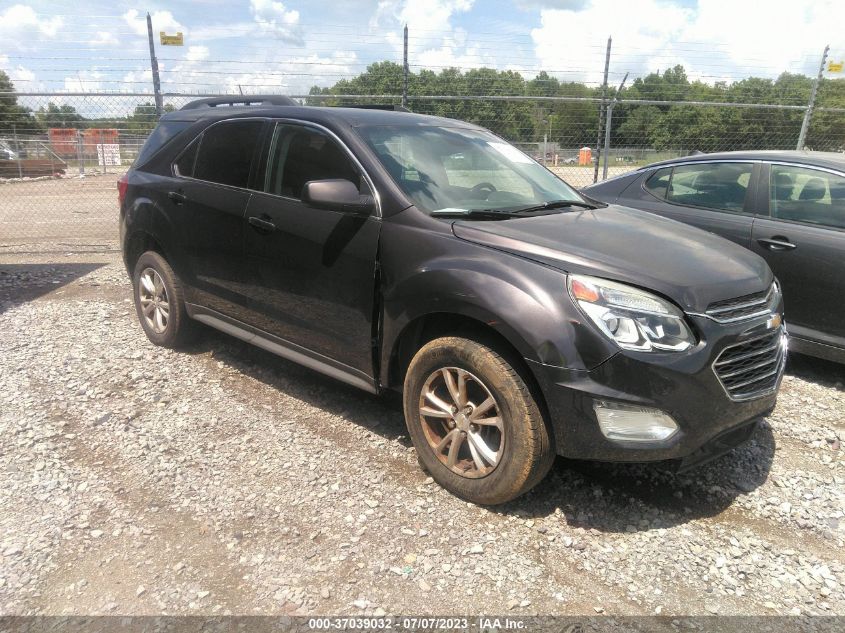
(476, 428)
(159, 301)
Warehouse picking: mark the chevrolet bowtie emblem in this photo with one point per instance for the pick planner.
(774, 322)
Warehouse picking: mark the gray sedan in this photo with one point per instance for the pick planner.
(788, 207)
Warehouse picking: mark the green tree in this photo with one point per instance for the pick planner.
(14, 117)
(59, 116)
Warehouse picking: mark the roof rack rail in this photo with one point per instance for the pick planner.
(379, 106)
(232, 100)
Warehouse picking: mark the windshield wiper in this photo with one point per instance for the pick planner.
(554, 204)
(486, 214)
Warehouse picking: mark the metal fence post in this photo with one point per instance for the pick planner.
(601, 110)
(154, 65)
(805, 124)
(79, 153)
(17, 150)
(609, 126)
(405, 70)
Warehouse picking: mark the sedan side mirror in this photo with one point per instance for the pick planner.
(337, 194)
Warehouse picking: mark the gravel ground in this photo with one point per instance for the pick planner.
(221, 479)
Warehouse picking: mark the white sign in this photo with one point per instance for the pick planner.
(108, 154)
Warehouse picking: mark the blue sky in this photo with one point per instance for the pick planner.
(275, 46)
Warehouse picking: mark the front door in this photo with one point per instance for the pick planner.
(802, 237)
(312, 272)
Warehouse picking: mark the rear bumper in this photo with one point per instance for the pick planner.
(684, 386)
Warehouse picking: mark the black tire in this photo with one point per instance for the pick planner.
(526, 451)
(178, 328)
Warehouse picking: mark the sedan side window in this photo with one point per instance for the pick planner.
(299, 154)
(712, 185)
(807, 195)
(658, 182)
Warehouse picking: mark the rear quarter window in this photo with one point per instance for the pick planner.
(158, 138)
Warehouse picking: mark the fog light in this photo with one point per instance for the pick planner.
(633, 423)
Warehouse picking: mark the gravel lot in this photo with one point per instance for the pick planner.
(223, 480)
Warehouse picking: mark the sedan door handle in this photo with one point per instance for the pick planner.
(177, 196)
(263, 226)
(777, 243)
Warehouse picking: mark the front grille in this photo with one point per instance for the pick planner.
(753, 368)
(746, 307)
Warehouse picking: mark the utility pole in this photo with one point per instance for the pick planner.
(805, 125)
(405, 71)
(609, 125)
(601, 112)
(154, 66)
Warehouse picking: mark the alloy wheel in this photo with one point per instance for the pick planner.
(155, 303)
(462, 422)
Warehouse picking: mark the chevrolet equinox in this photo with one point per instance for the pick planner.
(392, 250)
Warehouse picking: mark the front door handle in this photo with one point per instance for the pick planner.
(777, 243)
(177, 196)
(263, 225)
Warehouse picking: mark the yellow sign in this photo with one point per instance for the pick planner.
(835, 67)
(171, 40)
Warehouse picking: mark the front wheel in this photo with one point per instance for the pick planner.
(474, 423)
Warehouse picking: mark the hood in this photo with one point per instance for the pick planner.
(692, 267)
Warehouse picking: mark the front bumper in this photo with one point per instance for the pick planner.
(683, 385)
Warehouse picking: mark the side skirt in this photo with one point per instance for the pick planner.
(283, 348)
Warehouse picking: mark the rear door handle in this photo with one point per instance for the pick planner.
(777, 243)
(264, 226)
(177, 197)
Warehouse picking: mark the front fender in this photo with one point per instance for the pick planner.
(522, 300)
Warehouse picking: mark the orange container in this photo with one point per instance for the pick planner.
(63, 141)
(585, 156)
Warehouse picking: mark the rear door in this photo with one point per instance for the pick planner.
(714, 196)
(800, 232)
(311, 271)
(209, 198)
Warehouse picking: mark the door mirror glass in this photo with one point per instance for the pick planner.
(336, 194)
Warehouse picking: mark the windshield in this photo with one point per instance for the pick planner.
(443, 168)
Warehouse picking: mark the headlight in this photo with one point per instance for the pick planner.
(634, 319)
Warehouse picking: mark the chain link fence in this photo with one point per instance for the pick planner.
(58, 182)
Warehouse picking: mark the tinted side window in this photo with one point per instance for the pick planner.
(226, 151)
(184, 165)
(807, 195)
(300, 154)
(713, 185)
(658, 182)
(163, 132)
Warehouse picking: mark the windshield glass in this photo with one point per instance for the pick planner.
(444, 168)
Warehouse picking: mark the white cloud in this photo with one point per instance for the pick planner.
(22, 77)
(85, 81)
(20, 22)
(433, 41)
(105, 38)
(197, 53)
(716, 40)
(274, 18)
(162, 21)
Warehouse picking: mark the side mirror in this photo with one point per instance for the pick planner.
(338, 195)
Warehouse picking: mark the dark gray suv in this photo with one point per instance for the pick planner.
(397, 251)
